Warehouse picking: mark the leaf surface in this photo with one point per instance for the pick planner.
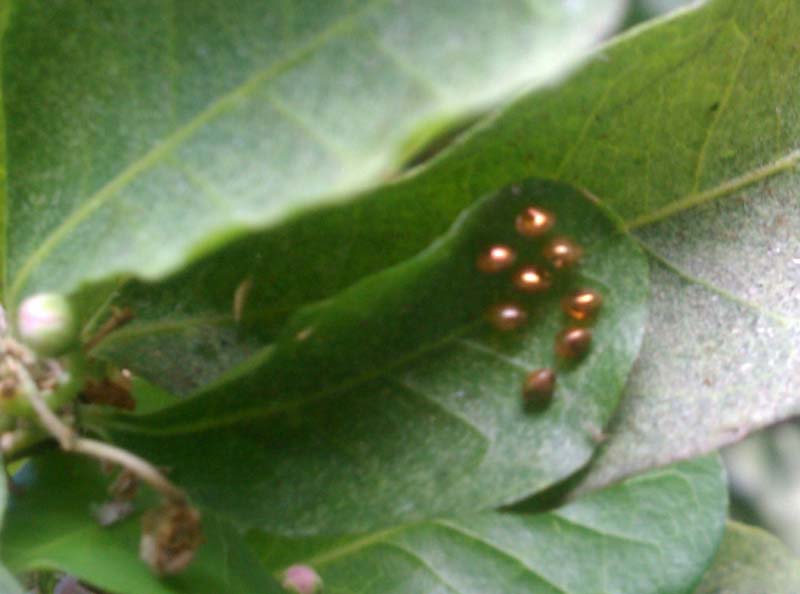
(720, 356)
(8, 584)
(50, 527)
(143, 135)
(643, 10)
(693, 139)
(653, 534)
(751, 561)
(396, 400)
(688, 128)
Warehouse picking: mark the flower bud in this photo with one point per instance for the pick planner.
(302, 579)
(46, 323)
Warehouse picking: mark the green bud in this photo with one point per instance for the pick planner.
(46, 323)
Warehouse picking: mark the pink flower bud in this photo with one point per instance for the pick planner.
(302, 579)
(45, 323)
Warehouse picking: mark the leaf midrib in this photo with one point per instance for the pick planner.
(263, 412)
(383, 538)
(781, 319)
(263, 355)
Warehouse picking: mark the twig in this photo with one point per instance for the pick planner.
(145, 471)
(118, 319)
(71, 442)
(57, 428)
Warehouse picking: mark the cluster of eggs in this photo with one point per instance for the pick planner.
(581, 306)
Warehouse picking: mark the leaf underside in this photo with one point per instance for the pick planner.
(751, 561)
(163, 128)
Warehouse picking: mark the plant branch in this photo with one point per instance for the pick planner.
(140, 467)
(71, 442)
(57, 428)
(119, 318)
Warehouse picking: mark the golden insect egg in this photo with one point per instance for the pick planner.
(532, 279)
(537, 392)
(582, 304)
(496, 259)
(507, 316)
(573, 343)
(563, 253)
(534, 222)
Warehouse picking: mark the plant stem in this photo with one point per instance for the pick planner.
(57, 428)
(71, 442)
(119, 318)
(140, 467)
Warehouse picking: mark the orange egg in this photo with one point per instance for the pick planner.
(582, 304)
(537, 392)
(532, 279)
(507, 316)
(496, 259)
(534, 222)
(573, 343)
(562, 253)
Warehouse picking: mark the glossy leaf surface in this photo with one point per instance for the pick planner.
(396, 400)
(143, 134)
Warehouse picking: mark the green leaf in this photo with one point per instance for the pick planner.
(688, 128)
(653, 534)
(51, 527)
(8, 585)
(4, 10)
(395, 400)
(155, 131)
(689, 131)
(676, 114)
(642, 10)
(751, 561)
(720, 356)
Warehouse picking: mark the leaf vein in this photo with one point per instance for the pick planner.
(421, 561)
(785, 163)
(723, 104)
(466, 421)
(503, 552)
